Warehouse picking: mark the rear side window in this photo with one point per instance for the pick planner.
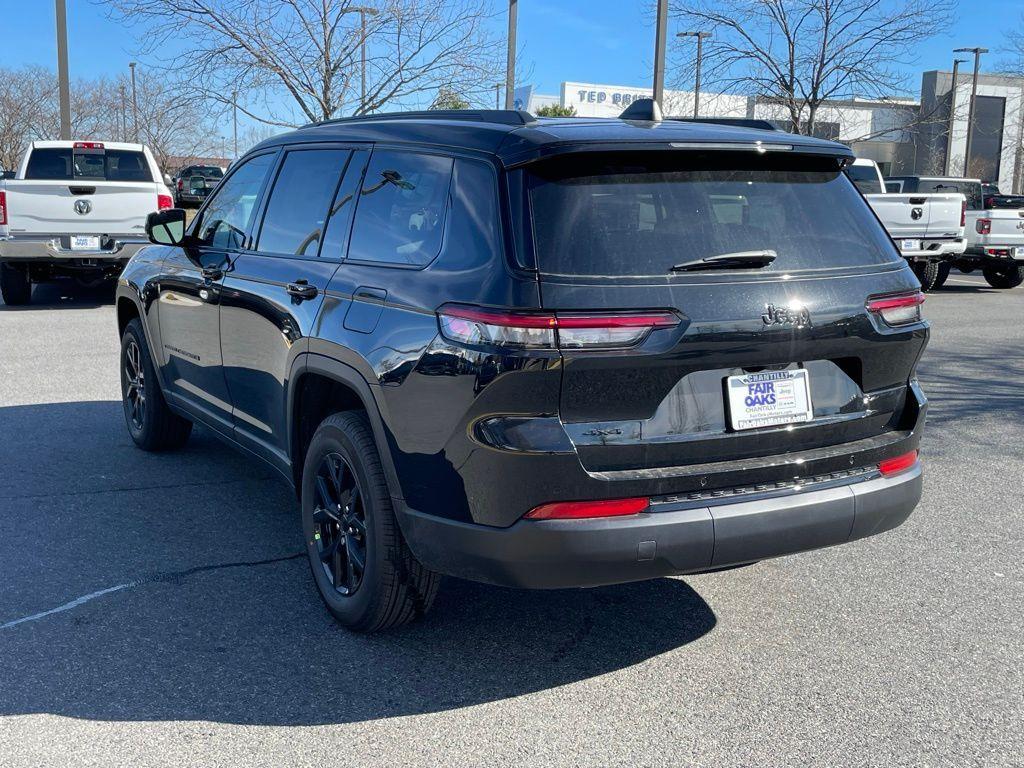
(865, 178)
(638, 214)
(402, 208)
(225, 221)
(299, 202)
(66, 164)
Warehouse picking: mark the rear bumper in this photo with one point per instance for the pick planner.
(673, 538)
(936, 249)
(982, 254)
(56, 248)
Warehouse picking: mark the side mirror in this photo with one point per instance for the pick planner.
(166, 227)
(168, 180)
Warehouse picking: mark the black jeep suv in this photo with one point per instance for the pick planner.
(537, 352)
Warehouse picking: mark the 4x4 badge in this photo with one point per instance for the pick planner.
(799, 317)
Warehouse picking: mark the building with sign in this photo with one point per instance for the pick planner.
(903, 135)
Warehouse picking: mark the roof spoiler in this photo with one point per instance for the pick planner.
(642, 109)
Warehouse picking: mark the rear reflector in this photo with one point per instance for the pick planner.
(549, 330)
(163, 202)
(3, 207)
(963, 213)
(575, 510)
(898, 310)
(894, 466)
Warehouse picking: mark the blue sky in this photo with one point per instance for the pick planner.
(601, 41)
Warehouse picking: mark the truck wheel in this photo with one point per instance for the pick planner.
(152, 425)
(15, 285)
(363, 569)
(928, 273)
(1004, 277)
(943, 275)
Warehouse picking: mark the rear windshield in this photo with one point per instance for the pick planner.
(206, 171)
(865, 178)
(969, 189)
(638, 215)
(65, 164)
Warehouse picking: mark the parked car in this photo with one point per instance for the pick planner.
(193, 184)
(995, 230)
(75, 209)
(538, 353)
(927, 228)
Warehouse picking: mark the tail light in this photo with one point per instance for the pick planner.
(983, 226)
(550, 330)
(576, 510)
(3, 208)
(894, 466)
(181, 184)
(898, 310)
(164, 201)
(963, 213)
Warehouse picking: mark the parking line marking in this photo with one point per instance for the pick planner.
(68, 606)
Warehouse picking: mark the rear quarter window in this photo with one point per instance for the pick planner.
(638, 214)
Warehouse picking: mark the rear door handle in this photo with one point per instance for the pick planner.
(301, 290)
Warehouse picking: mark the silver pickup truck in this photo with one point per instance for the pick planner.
(76, 209)
(928, 228)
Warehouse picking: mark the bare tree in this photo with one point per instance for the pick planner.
(301, 60)
(799, 54)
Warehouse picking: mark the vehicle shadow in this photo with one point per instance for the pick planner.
(65, 294)
(947, 377)
(214, 616)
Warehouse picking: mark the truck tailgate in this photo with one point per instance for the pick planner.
(919, 215)
(1007, 228)
(86, 207)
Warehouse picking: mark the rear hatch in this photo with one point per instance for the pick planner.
(83, 192)
(792, 331)
(1005, 228)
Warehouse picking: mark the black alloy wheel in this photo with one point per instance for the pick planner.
(135, 385)
(339, 524)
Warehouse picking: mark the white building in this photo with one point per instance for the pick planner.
(904, 136)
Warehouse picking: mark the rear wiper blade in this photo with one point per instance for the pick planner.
(737, 260)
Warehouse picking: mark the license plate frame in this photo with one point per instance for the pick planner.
(769, 399)
(1018, 252)
(85, 242)
(910, 245)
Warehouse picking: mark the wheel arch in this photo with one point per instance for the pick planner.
(320, 386)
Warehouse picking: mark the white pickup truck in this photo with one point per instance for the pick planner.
(995, 228)
(929, 229)
(75, 209)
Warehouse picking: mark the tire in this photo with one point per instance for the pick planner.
(943, 275)
(928, 273)
(15, 285)
(1005, 277)
(152, 425)
(347, 516)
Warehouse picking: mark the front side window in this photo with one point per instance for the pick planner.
(226, 220)
(402, 208)
(294, 221)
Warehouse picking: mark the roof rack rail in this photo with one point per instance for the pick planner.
(499, 116)
(739, 122)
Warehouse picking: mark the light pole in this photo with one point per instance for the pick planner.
(952, 116)
(510, 58)
(234, 120)
(363, 11)
(497, 95)
(701, 36)
(124, 112)
(63, 86)
(135, 104)
(659, 52)
(974, 93)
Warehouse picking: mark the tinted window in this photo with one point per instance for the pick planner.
(225, 221)
(339, 218)
(640, 214)
(865, 178)
(59, 164)
(402, 207)
(970, 190)
(294, 221)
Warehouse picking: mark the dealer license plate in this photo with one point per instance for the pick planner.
(85, 243)
(769, 398)
(1018, 253)
(910, 245)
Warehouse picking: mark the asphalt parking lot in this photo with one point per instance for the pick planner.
(154, 610)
